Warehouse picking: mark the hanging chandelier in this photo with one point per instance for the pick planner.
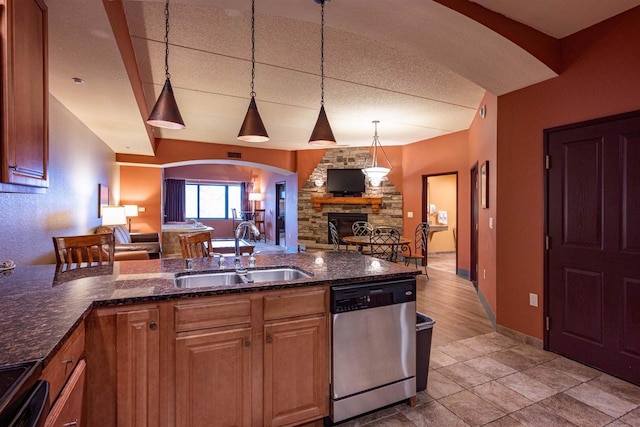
(371, 169)
(165, 113)
(322, 134)
(253, 129)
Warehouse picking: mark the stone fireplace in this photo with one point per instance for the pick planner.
(313, 221)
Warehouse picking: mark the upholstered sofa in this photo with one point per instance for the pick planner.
(127, 242)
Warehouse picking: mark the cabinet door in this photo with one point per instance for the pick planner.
(138, 369)
(24, 93)
(68, 408)
(213, 378)
(296, 380)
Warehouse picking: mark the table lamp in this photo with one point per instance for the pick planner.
(130, 211)
(253, 197)
(113, 215)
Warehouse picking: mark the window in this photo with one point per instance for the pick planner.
(212, 201)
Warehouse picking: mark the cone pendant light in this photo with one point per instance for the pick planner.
(322, 135)
(165, 113)
(253, 129)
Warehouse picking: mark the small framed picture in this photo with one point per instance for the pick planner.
(484, 184)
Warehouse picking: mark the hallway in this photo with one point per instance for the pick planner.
(478, 377)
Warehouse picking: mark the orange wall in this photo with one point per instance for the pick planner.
(171, 151)
(482, 147)
(600, 78)
(448, 153)
(142, 186)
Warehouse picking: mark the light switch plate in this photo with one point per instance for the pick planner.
(409, 214)
(533, 300)
(491, 222)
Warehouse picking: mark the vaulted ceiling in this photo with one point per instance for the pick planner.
(418, 66)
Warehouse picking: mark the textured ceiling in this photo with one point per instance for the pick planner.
(415, 65)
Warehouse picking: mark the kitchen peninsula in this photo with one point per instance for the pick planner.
(152, 349)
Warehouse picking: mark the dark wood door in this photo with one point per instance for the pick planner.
(593, 260)
(280, 214)
(475, 201)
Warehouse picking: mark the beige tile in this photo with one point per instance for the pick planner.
(464, 375)
(536, 416)
(506, 421)
(397, 420)
(575, 411)
(599, 399)
(439, 386)
(574, 369)
(482, 344)
(434, 414)
(617, 387)
(373, 416)
(439, 359)
(535, 354)
(551, 377)
(632, 418)
(618, 423)
(501, 340)
(472, 409)
(501, 396)
(490, 367)
(459, 351)
(527, 386)
(513, 360)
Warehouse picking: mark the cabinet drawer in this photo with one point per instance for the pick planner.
(68, 409)
(64, 362)
(212, 314)
(300, 303)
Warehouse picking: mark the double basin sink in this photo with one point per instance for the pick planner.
(227, 278)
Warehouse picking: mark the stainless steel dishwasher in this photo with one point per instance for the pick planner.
(373, 351)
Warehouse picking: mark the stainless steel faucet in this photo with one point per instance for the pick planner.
(240, 231)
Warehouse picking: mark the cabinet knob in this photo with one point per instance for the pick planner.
(153, 326)
(269, 339)
(67, 362)
(247, 343)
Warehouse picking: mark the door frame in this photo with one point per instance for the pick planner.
(280, 186)
(425, 206)
(474, 215)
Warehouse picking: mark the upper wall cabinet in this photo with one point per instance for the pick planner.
(24, 92)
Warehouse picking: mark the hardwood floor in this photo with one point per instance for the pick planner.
(453, 303)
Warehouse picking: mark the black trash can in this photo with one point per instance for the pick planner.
(424, 331)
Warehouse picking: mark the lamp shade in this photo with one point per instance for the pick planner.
(322, 133)
(253, 129)
(130, 210)
(113, 215)
(255, 197)
(165, 113)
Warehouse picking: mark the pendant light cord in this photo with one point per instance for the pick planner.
(253, 46)
(322, 53)
(166, 40)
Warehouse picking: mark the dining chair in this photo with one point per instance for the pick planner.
(195, 245)
(335, 240)
(236, 217)
(85, 251)
(385, 243)
(419, 247)
(258, 219)
(361, 228)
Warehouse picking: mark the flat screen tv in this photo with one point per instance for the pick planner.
(345, 182)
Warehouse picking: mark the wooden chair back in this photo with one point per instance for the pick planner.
(86, 250)
(195, 245)
(258, 218)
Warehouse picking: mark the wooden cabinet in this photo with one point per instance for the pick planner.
(24, 94)
(213, 378)
(138, 367)
(259, 359)
(123, 358)
(63, 363)
(295, 370)
(68, 408)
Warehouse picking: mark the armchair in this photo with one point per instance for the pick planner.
(129, 242)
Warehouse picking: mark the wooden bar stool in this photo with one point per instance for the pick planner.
(195, 245)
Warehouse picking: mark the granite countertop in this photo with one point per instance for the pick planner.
(40, 307)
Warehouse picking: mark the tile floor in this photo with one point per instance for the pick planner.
(493, 380)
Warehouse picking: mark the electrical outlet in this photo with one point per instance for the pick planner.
(491, 222)
(533, 300)
(484, 273)
(409, 214)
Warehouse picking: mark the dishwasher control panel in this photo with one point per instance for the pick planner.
(346, 298)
